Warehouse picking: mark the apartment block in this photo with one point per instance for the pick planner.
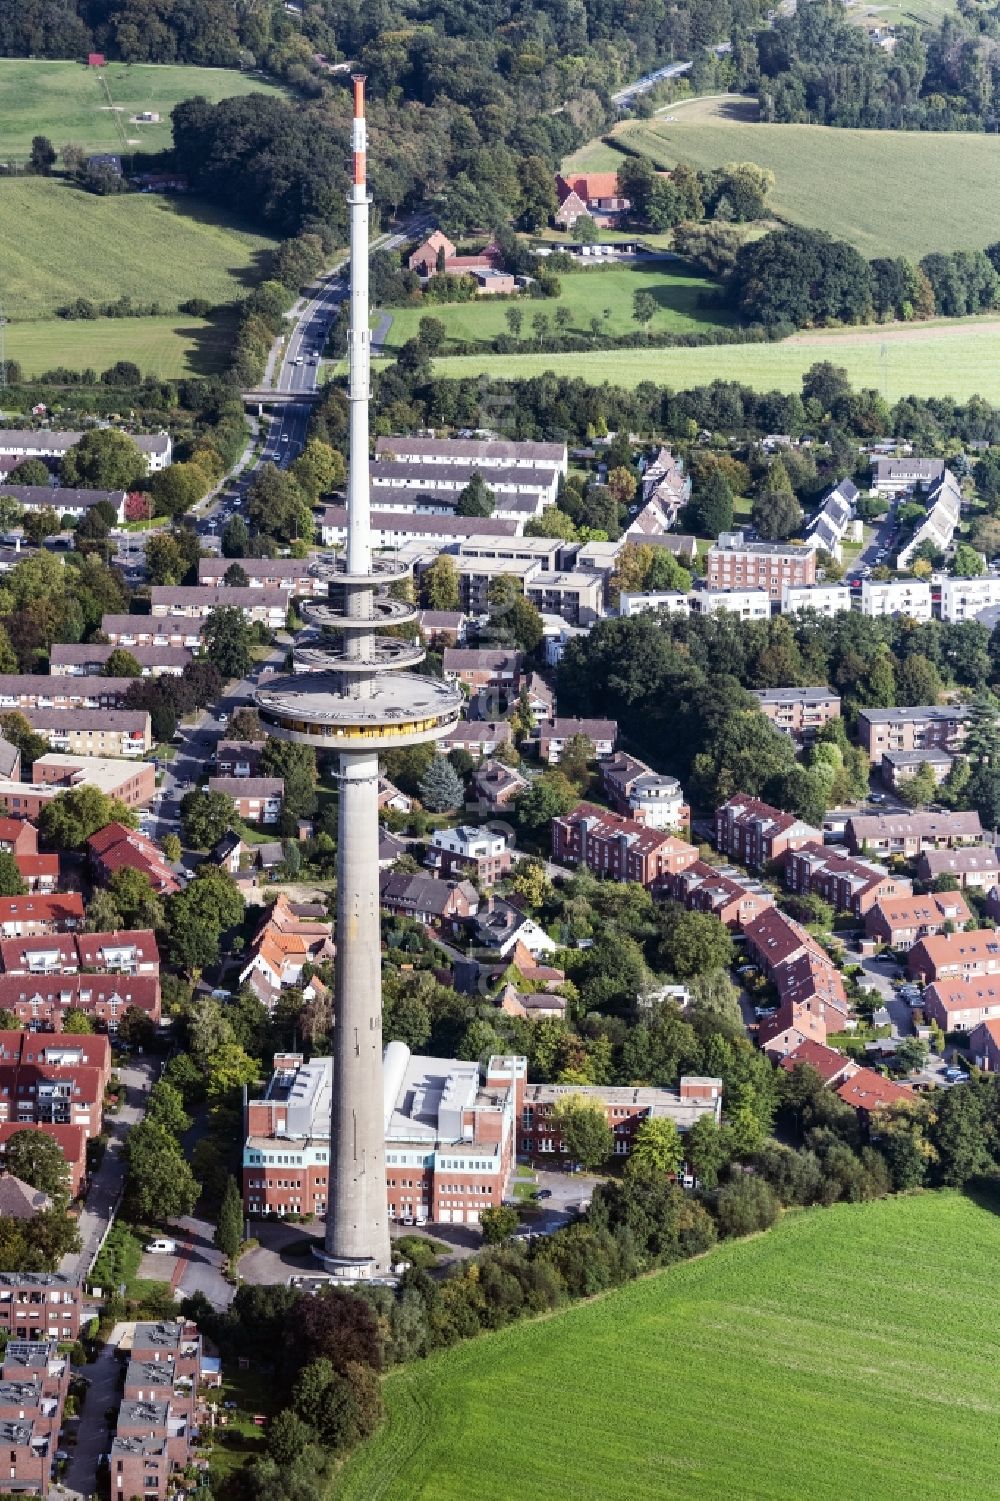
(27, 690)
(94, 732)
(922, 727)
(729, 894)
(449, 1136)
(897, 766)
(298, 577)
(394, 528)
(618, 849)
(822, 599)
(748, 604)
(625, 1110)
(910, 834)
(40, 1306)
(848, 884)
(736, 563)
(753, 833)
(906, 596)
(799, 712)
(43, 443)
(643, 795)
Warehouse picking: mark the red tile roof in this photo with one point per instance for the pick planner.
(867, 1090)
(827, 1062)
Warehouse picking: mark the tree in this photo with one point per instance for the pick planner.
(197, 916)
(622, 485)
(227, 641)
(713, 505)
(656, 1149)
(967, 563)
(172, 848)
(161, 1186)
(584, 1132)
(277, 506)
(104, 459)
(441, 787)
(11, 881)
(229, 1226)
(30, 472)
(166, 1108)
(319, 469)
(37, 1159)
(39, 524)
(121, 664)
(476, 499)
(512, 616)
(550, 795)
(205, 817)
(515, 320)
(705, 1151)
(576, 758)
(235, 538)
(67, 822)
(43, 156)
(746, 1205)
(959, 1136)
(911, 1053)
(137, 1028)
(693, 942)
(498, 1223)
(643, 308)
(296, 766)
(78, 1022)
(439, 586)
(236, 577)
(776, 514)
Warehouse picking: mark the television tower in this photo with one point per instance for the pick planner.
(347, 694)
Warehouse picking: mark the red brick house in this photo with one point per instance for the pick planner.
(900, 921)
(868, 1092)
(118, 848)
(832, 1067)
(952, 956)
(847, 883)
(734, 898)
(753, 833)
(617, 848)
(984, 1046)
(961, 1005)
(40, 1305)
(40, 873)
(40, 1001)
(18, 837)
(28, 916)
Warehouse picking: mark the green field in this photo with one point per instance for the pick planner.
(890, 192)
(605, 293)
(58, 242)
(846, 1356)
(949, 357)
(168, 347)
(67, 102)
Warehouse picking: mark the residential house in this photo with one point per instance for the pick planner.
(799, 712)
(256, 799)
(833, 1067)
(736, 563)
(497, 786)
(951, 956)
(961, 1005)
(974, 867)
(593, 195)
(479, 737)
(923, 727)
(427, 900)
(910, 834)
(469, 851)
(552, 737)
(502, 928)
(983, 1046)
(900, 921)
(116, 847)
(618, 849)
(869, 1092)
(480, 667)
(753, 833)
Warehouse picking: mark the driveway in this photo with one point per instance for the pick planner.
(878, 975)
(199, 1264)
(94, 1438)
(107, 1183)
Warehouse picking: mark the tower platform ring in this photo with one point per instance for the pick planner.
(399, 711)
(384, 611)
(384, 653)
(382, 571)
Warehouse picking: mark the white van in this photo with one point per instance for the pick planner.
(167, 1247)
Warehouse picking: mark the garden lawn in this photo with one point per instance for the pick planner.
(67, 102)
(604, 293)
(848, 1353)
(889, 192)
(948, 357)
(152, 248)
(166, 347)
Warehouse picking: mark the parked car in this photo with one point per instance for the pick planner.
(162, 1246)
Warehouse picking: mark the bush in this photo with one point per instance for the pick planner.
(746, 1205)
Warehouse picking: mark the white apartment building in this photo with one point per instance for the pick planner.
(749, 604)
(911, 597)
(962, 599)
(668, 602)
(824, 599)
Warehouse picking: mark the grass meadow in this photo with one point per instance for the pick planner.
(889, 192)
(67, 102)
(949, 357)
(848, 1353)
(598, 292)
(168, 347)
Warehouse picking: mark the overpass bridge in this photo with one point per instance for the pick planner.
(263, 399)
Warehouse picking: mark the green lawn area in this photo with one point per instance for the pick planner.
(845, 1354)
(168, 347)
(67, 102)
(947, 357)
(604, 293)
(889, 192)
(240, 1439)
(154, 249)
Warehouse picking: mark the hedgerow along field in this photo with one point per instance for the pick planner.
(957, 357)
(601, 292)
(848, 1353)
(859, 185)
(67, 102)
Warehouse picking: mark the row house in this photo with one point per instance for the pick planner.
(626, 1109)
(94, 732)
(910, 834)
(239, 758)
(921, 727)
(38, 1362)
(27, 690)
(87, 659)
(869, 1093)
(481, 667)
(737, 563)
(832, 1066)
(165, 630)
(961, 1005)
(18, 836)
(392, 528)
(901, 921)
(30, 916)
(40, 1306)
(955, 956)
(40, 873)
(427, 900)
(40, 1002)
(431, 455)
(468, 851)
(774, 938)
(734, 898)
(553, 737)
(799, 712)
(974, 867)
(984, 1046)
(847, 883)
(255, 799)
(128, 953)
(753, 833)
(618, 849)
(264, 606)
(298, 577)
(155, 1429)
(944, 511)
(44, 443)
(450, 1137)
(117, 847)
(644, 795)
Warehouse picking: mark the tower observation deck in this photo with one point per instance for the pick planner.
(349, 693)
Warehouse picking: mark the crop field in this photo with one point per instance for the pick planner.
(167, 347)
(155, 249)
(604, 293)
(860, 185)
(950, 357)
(68, 103)
(849, 1353)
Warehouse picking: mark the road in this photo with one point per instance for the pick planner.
(649, 80)
(93, 1436)
(107, 1183)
